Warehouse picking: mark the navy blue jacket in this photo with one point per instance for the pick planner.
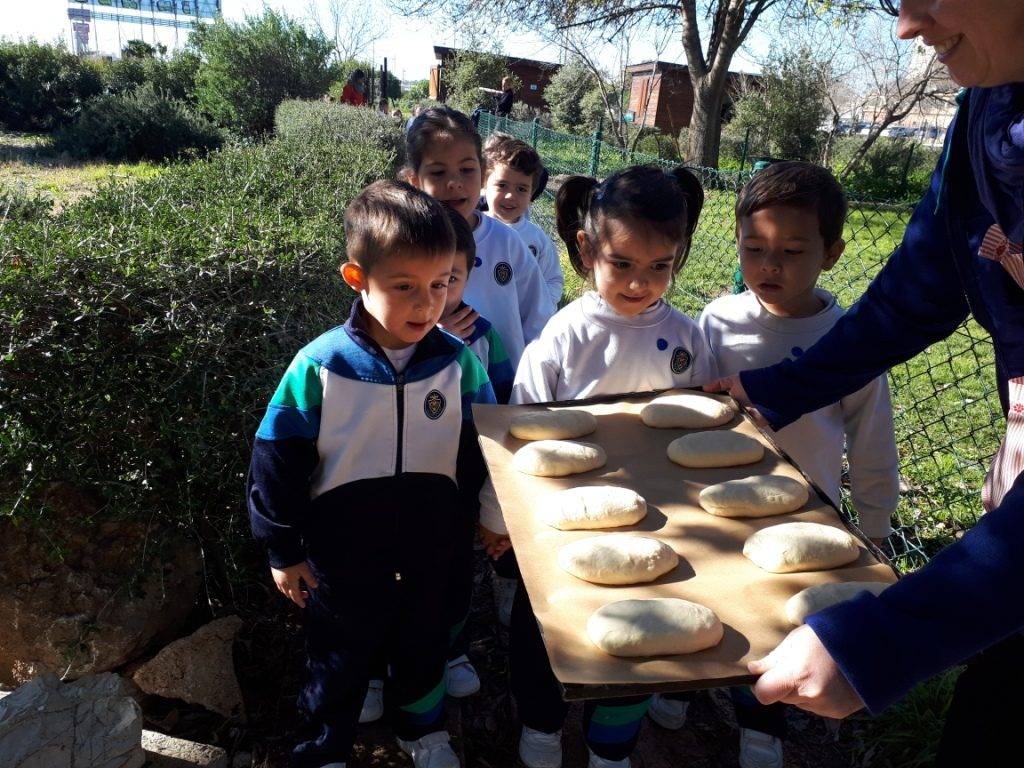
(970, 595)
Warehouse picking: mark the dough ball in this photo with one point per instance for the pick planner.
(818, 598)
(755, 496)
(656, 627)
(599, 506)
(720, 448)
(686, 411)
(562, 424)
(558, 458)
(617, 558)
(793, 547)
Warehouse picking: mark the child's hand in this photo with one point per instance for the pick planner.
(290, 581)
(460, 323)
(496, 544)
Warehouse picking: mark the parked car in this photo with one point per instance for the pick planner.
(901, 132)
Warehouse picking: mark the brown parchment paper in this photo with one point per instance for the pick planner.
(712, 569)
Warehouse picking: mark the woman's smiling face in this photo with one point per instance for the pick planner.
(981, 42)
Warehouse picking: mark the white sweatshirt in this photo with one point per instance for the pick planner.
(506, 286)
(588, 349)
(543, 249)
(743, 334)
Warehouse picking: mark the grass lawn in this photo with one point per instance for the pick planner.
(28, 163)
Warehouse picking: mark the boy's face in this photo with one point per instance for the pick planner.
(632, 267)
(508, 193)
(782, 253)
(403, 296)
(450, 172)
(456, 284)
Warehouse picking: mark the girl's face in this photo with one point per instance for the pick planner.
(450, 172)
(979, 41)
(631, 264)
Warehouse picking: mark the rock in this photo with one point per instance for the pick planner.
(91, 722)
(198, 669)
(81, 595)
(168, 752)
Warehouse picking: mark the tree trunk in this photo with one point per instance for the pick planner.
(705, 134)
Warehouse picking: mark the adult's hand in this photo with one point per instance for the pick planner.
(734, 387)
(801, 672)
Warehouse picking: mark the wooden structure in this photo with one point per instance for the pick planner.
(661, 95)
(534, 75)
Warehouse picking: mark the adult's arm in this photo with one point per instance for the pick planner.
(914, 301)
(965, 600)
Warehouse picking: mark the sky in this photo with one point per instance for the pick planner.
(408, 43)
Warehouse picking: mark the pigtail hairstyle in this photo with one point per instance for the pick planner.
(667, 203)
(693, 192)
(572, 208)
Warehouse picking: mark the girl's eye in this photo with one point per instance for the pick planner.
(793, 253)
(621, 264)
(441, 286)
(403, 287)
(452, 280)
(468, 171)
(660, 267)
(437, 174)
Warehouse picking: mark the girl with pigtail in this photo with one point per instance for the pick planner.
(630, 235)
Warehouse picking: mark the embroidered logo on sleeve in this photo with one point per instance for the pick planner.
(433, 404)
(997, 247)
(502, 272)
(681, 360)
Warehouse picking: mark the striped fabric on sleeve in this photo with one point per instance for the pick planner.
(499, 367)
(294, 410)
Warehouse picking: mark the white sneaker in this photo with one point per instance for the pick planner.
(504, 594)
(597, 761)
(668, 713)
(759, 750)
(431, 751)
(540, 750)
(373, 704)
(462, 678)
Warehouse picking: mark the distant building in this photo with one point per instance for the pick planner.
(534, 75)
(661, 95)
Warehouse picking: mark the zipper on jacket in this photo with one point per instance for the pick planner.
(400, 403)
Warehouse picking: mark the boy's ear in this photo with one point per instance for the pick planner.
(353, 276)
(833, 253)
(586, 256)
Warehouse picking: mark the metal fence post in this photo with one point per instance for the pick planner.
(536, 125)
(595, 148)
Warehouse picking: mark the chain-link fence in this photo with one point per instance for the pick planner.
(946, 410)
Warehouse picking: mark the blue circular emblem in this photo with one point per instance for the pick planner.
(502, 273)
(477, 261)
(796, 351)
(681, 360)
(662, 344)
(433, 404)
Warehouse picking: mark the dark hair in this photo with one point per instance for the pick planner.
(357, 74)
(465, 243)
(502, 149)
(432, 123)
(390, 218)
(796, 184)
(669, 202)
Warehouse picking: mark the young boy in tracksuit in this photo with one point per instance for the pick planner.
(361, 470)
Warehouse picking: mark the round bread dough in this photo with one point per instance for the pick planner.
(686, 411)
(754, 496)
(720, 448)
(558, 458)
(589, 507)
(617, 558)
(655, 627)
(794, 547)
(562, 424)
(818, 598)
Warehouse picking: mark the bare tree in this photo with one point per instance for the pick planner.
(727, 24)
(351, 26)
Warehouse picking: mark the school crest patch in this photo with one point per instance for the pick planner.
(434, 404)
(503, 273)
(681, 360)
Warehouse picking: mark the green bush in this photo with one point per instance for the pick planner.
(893, 170)
(141, 125)
(18, 204)
(145, 327)
(339, 123)
(249, 68)
(174, 77)
(43, 87)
